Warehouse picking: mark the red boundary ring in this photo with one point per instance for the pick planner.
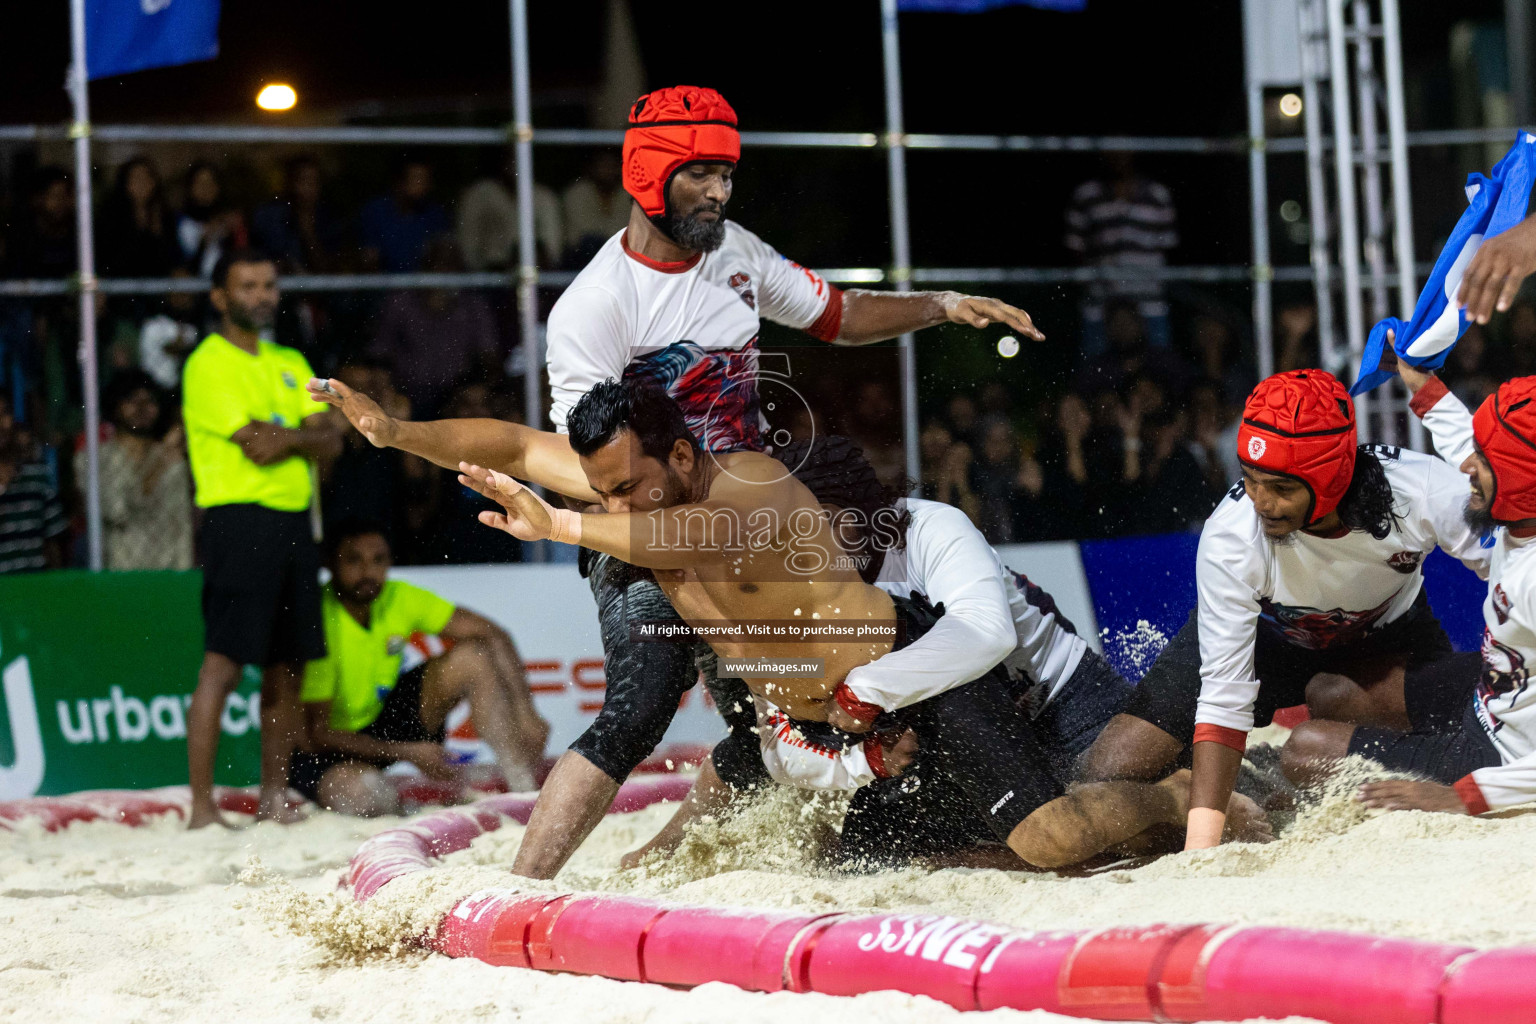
(1159, 972)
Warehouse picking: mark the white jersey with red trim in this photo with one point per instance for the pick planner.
(1317, 592)
(1505, 702)
(991, 614)
(690, 326)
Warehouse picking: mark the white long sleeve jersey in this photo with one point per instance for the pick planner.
(1317, 592)
(1505, 702)
(690, 327)
(991, 615)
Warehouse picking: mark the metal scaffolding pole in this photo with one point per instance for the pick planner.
(1336, 360)
(1310, 15)
(1402, 212)
(80, 131)
(1258, 188)
(1517, 36)
(901, 242)
(527, 254)
(1375, 245)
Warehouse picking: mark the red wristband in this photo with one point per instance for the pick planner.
(857, 709)
(1237, 739)
(1428, 396)
(874, 753)
(1471, 795)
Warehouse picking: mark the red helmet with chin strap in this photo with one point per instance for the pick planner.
(683, 124)
(1301, 423)
(1505, 429)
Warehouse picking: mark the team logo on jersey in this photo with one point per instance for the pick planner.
(1316, 629)
(394, 646)
(1498, 680)
(742, 284)
(1500, 603)
(1406, 561)
(290, 380)
(1256, 447)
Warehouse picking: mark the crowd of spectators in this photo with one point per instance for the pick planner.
(1137, 439)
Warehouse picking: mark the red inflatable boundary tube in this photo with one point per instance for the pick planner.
(1161, 972)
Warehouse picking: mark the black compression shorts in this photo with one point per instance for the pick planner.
(261, 586)
(1169, 693)
(1447, 741)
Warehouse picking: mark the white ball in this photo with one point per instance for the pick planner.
(1007, 346)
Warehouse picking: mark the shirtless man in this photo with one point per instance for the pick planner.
(677, 513)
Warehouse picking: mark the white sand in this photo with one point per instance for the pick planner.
(103, 922)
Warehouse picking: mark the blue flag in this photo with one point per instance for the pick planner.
(1494, 203)
(977, 6)
(132, 35)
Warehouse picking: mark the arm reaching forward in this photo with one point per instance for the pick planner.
(542, 457)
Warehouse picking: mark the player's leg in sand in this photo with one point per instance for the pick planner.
(469, 671)
(216, 680)
(358, 789)
(282, 725)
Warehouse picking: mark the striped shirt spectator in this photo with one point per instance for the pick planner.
(31, 517)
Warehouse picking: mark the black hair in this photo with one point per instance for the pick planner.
(636, 405)
(835, 470)
(124, 383)
(348, 528)
(1368, 505)
(246, 254)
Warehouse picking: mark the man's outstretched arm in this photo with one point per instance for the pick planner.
(539, 456)
(870, 316)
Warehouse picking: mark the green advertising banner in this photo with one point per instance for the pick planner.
(98, 670)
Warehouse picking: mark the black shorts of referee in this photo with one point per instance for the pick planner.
(261, 586)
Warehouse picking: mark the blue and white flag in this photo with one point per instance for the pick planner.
(977, 6)
(1494, 203)
(132, 35)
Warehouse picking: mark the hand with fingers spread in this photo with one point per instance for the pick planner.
(361, 411)
(526, 516)
(1407, 795)
(1493, 277)
(979, 311)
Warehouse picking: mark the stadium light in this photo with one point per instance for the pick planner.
(277, 97)
(1290, 105)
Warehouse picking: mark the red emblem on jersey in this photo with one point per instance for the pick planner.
(742, 284)
(1406, 561)
(1500, 603)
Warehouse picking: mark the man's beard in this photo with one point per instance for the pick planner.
(251, 319)
(1282, 542)
(140, 429)
(688, 231)
(1479, 520)
(365, 592)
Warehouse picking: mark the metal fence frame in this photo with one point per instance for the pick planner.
(527, 278)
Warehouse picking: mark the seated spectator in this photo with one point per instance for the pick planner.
(32, 523)
(1218, 359)
(368, 483)
(1212, 419)
(964, 420)
(946, 468)
(43, 244)
(430, 339)
(396, 228)
(1296, 336)
(595, 208)
(398, 660)
(168, 337)
(1175, 493)
(208, 225)
(994, 481)
(873, 419)
(146, 489)
(453, 534)
(488, 226)
(1128, 355)
(300, 228)
(134, 235)
(1067, 487)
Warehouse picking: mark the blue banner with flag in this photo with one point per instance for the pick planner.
(132, 35)
(1495, 203)
(977, 6)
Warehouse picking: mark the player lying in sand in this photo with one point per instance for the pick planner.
(734, 539)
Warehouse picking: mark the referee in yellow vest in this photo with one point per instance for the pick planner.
(252, 437)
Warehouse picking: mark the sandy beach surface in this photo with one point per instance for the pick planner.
(107, 923)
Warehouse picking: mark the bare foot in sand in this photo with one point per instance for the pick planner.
(1246, 822)
(274, 806)
(202, 817)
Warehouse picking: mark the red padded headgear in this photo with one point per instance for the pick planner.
(668, 128)
(1505, 429)
(1301, 423)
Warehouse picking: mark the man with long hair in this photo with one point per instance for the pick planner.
(1308, 571)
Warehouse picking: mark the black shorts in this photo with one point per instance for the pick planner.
(261, 586)
(399, 721)
(981, 768)
(1169, 694)
(1447, 741)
